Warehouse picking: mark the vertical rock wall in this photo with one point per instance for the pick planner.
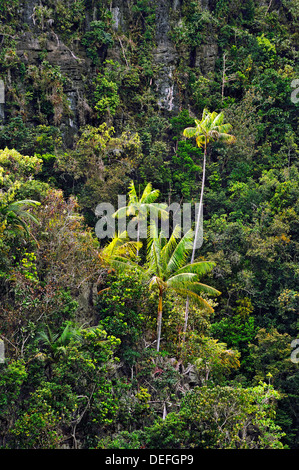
(77, 67)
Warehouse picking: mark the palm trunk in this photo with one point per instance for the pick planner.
(186, 318)
(196, 233)
(200, 204)
(138, 236)
(159, 320)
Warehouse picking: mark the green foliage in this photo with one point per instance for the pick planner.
(185, 169)
(124, 440)
(168, 434)
(267, 49)
(19, 165)
(238, 332)
(18, 169)
(218, 418)
(213, 360)
(8, 8)
(97, 40)
(47, 84)
(118, 313)
(70, 303)
(76, 375)
(13, 375)
(16, 135)
(69, 19)
(106, 94)
(193, 29)
(37, 427)
(271, 354)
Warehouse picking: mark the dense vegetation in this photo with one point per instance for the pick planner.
(99, 350)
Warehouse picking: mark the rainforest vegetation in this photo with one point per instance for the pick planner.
(153, 342)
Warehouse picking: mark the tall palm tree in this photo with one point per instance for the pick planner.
(168, 270)
(209, 129)
(138, 207)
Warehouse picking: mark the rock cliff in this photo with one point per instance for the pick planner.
(38, 36)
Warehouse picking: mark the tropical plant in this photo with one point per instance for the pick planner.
(14, 214)
(138, 206)
(55, 344)
(168, 270)
(209, 129)
(119, 253)
(220, 418)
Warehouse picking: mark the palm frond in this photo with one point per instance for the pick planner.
(181, 252)
(199, 268)
(149, 194)
(223, 128)
(198, 287)
(61, 350)
(170, 246)
(132, 193)
(157, 209)
(25, 202)
(189, 132)
(181, 281)
(206, 121)
(217, 119)
(65, 335)
(120, 244)
(227, 138)
(201, 140)
(157, 281)
(210, 128)
(194, 297)
(47, 337)
(121, 212)
(154, 249)
(147, 190)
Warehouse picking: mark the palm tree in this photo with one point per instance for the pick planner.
(55, 345)
(120, 253)
(210, 129)
(121, 249)
(168, 270)
(15, 214)
(139, 207)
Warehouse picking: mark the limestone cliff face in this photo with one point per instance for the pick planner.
(166, 55)
(34, 40)
(40, 34)
(36, 37)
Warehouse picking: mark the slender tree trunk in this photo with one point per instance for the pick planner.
(223, 78)
(138, 235)
(164, 411)
(159, 321)
(186, 318)
(196, 233)
(200, 204)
